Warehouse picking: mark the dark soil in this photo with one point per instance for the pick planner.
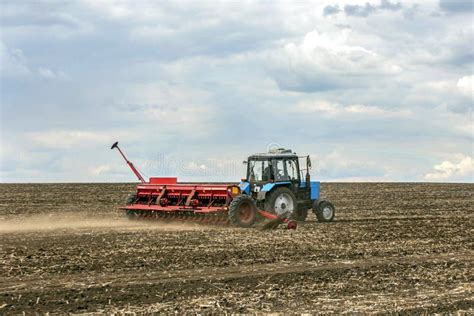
(392, 248)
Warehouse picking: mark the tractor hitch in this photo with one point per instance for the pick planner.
(276, 220)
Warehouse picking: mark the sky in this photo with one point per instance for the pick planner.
(372, 90)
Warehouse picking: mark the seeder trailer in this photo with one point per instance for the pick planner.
(273, 189)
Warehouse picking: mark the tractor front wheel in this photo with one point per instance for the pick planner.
(324, 210)
(242, 211)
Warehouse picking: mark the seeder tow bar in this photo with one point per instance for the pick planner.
(270, 190)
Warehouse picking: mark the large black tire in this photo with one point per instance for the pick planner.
(280, 200)
(243, 211)
(324, 210)
(300, 214)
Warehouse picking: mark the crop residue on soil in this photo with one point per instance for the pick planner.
(74, 222)
(401, 248)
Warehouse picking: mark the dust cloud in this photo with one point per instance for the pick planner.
(77, 221)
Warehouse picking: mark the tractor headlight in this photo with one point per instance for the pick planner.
(234, 191)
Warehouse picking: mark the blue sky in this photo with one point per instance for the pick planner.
(372, 90)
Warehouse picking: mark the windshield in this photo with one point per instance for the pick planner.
(259, 170)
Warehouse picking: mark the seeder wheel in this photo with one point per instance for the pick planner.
(131, 214)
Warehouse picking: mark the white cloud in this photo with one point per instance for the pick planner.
(466, 86)
(51, 74)
(340, 165)
(465, 129)
(12, 63)
(115, 168)
(334, 110)
(461, 169)
(98, 170)
(175, 109)
(329, 60)
(184, 77)
(438, 86)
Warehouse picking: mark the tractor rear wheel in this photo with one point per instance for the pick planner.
(281, 202)
(242, 211)
(324, 210)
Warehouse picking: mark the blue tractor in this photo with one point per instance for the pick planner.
(275, 184)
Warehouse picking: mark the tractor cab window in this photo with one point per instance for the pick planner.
(285, 169)
(292, 169)
(279, 168)
(259, 170)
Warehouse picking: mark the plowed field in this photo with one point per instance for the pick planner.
(392, 248)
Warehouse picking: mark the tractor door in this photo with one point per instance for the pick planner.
(291, 169)
(286, 169)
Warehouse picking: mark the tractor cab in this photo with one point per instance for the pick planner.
(279, 166)
(274, 167)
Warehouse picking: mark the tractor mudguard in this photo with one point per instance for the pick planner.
(244, 187)
(269, 187)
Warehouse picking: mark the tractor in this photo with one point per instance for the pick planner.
(274, 188)
(275, 184)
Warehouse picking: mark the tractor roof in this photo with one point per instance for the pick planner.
(275, 153)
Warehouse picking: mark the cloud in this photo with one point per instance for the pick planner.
(466, 86)
(225, 79)
(327, 61)
(101, 169)
(355, 110)
(359, 10)
(15, 65)
(55, 20)
(362, 10)
(331, 10)
(387, 5)
(171, 109)
(220, 29)
(12, 63)
(63, 139)
(51, 74)
(339, 165)
(460, 170)
(457, 6)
